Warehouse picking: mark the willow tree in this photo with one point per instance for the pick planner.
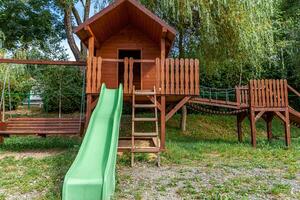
(232, 38)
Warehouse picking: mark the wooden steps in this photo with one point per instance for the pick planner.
(136, 135)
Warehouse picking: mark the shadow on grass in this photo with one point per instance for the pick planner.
(18, 144)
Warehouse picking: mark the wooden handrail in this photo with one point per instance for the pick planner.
(123, 60)
(293, 90)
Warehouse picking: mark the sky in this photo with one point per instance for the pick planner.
(65, 42)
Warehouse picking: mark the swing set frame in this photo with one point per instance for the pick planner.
(40, 126)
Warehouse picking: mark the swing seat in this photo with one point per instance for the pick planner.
(41, 126)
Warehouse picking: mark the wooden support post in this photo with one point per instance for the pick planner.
(88, 110)
(183, 118)
(163, 123)
(240, 119)
(287, 116)
(1, 139)
(269, 120)
(287, 128)
(253, 128)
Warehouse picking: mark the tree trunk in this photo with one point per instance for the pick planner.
(69, 32)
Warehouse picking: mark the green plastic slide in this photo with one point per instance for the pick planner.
(92, 174)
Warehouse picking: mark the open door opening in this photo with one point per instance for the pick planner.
(135, 54)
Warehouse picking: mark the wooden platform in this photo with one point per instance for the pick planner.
(145, 145)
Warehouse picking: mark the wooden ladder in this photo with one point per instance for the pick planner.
(152, 135)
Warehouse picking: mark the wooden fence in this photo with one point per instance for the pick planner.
(178, 76)
(263, 94)
(173, 76)
(268, 93)
(242, 96)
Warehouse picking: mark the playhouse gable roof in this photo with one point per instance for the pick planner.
(118, 15)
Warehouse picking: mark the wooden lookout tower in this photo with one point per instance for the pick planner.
(129, 45)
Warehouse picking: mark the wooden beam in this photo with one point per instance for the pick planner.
(281, 116)
(163, 123)
(293, 90)
(259, 115)
(164, 32)
(177, 107)
(43, 62)
(153, 101)
(91, 34)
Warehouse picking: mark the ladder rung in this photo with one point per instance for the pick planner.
(145, 134)
(144, 105)
(145, 119)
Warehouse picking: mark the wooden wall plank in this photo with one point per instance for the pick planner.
(197, 79)
(162, 75)
(283, 103)
(285, 85)
(130, 75)
(177, 84)
(259, 96)
(251, 89)
(172, 76)
(192, 75)
(186, 64)
(94, 75)
(99, 72)
(126, 75)
(167, 76)
(274, 93)
(181, 76)
(157, 72)
(89, 75)
(263, 93)
(267, 93)
(271, 93)
(278, 93)
(255, 93)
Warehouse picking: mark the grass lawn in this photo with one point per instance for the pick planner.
(205, 162)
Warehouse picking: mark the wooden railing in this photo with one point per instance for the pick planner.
(268, 93)
(178, 76)
(172, 76)
(242, 96)
(93, 75)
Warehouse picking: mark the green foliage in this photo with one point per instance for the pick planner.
(30, 23)
(19, 81)
(59, 87)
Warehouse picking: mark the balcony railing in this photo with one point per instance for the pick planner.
(172, 76)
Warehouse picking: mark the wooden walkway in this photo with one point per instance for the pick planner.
(259, 99)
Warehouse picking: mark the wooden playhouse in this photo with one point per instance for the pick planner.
(129, 45)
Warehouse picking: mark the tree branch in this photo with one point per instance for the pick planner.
(87, 10)
(76, 15)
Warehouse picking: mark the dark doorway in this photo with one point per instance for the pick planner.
(135, 54)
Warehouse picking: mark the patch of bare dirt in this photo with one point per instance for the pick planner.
(31, 154)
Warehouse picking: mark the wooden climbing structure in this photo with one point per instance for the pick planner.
(132, 50)
(259, 99)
